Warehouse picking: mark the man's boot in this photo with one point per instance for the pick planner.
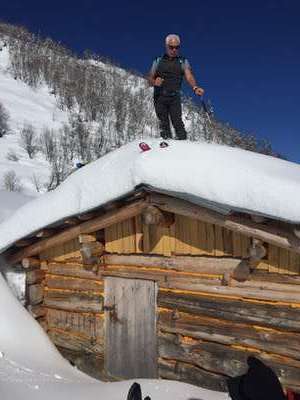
(165, 135)
(181, 136)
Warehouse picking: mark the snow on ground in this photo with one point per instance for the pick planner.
(25, 105)
(219, 176)
(25, 169)
(10, 201)
(31, 367)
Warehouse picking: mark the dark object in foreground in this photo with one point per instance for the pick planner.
(259, 383)
(80, 165)
(163, 144)
(135, 392)
(290, 395)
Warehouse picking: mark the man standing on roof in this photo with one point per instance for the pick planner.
(166, 76)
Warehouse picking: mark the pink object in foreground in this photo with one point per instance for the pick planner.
(144, 146)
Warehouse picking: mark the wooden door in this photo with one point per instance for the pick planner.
(130, 328)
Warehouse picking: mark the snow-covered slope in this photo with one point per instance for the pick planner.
(25, 105)
(10, 201)
(31, 367)
(218, 176)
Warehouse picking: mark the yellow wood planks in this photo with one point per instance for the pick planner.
(190, 237)
(121, 237)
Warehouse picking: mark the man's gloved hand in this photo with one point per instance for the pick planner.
(158, 81)
(199, 91)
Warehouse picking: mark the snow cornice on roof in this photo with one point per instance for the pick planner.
(270, 231)
(232, 185)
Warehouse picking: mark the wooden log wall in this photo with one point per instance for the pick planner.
(191, 237)
(216, 335)
(206, 330)
(35, 289)
(73, 302)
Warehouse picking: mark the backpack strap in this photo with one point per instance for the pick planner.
(155, 64)
(182, 61)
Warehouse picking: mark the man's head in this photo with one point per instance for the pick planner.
(172, 45)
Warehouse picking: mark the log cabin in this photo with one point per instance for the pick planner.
(157, 283)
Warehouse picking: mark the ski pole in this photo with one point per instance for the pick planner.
(204, 106)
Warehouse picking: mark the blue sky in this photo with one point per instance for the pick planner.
(246, 54)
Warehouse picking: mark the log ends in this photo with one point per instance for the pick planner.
(152, 215)
(91, 252)
(241, 273)
(31, 262)
(257, 252)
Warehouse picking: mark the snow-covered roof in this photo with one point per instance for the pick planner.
(10, 201)
(216, 176)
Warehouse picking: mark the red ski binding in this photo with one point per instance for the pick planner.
(144, 146)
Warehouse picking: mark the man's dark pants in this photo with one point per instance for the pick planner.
(169, 106)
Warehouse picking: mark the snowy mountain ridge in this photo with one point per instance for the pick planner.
(39, 108)
(87, 106)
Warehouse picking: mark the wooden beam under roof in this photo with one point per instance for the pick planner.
(25, 242)
(93, 225)
(269, 233)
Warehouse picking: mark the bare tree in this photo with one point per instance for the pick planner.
(116, 103)
(38, 184)
(12, 155)
(80, 132)
(11, 182)
(48, 145)
(28, 140)
(4, 117)
(59, 171)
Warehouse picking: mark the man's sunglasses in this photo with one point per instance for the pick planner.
(173, 47)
